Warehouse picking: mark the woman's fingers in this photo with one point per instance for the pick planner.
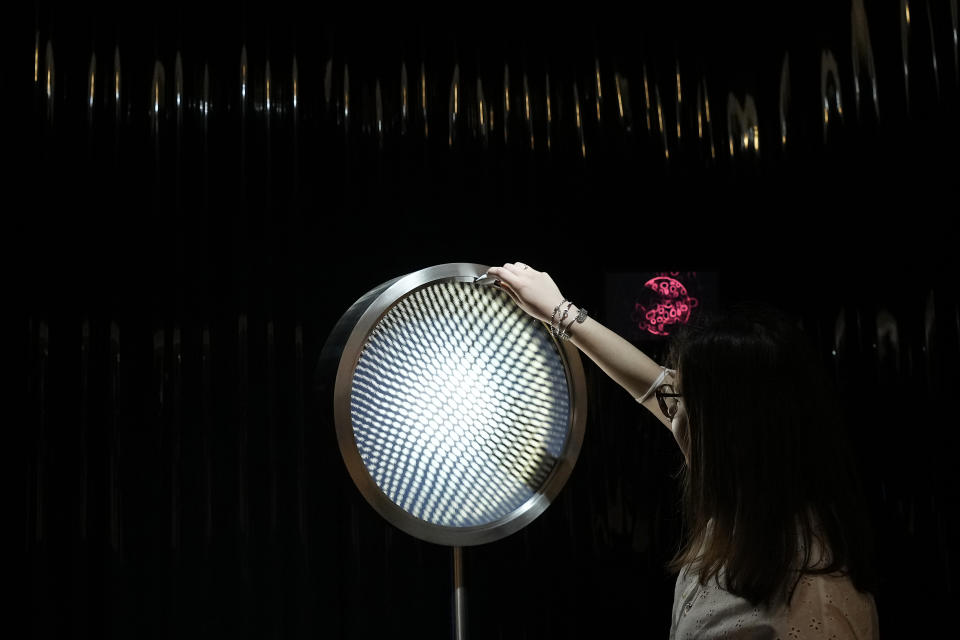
(502, 273)
(513, 294)
(510, 271)
(509, 277)
(534, 291)
(517, 267)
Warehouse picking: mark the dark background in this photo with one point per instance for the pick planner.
(174, 276)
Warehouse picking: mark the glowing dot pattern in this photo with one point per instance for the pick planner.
(670, 305)
(459, 404)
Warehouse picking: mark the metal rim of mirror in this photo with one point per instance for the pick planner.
(350, 338)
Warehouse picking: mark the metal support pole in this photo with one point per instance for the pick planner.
(459, 597)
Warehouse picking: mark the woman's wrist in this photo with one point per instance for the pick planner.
(564, 319)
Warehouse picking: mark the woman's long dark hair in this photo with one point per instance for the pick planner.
(770, 469)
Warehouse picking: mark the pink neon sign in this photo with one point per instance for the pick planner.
(667, 304)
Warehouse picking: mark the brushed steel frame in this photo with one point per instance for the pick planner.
(438, 534)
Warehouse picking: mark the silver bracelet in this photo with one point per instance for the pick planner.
(581, 316)
(563, 333)
(553, 318)
(557, 329)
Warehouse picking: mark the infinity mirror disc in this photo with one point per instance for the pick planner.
(459, 416)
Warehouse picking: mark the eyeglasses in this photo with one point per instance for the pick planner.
(668, 400)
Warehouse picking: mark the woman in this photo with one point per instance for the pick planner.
(776, 537)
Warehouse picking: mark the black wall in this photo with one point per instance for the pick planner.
(174, 275)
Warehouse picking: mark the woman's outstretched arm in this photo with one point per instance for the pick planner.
(538, 295)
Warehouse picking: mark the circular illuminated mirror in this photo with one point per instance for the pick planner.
(459, 416)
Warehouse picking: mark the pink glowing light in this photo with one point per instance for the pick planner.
(667, 304)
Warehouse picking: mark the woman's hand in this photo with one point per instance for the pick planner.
(534, 291)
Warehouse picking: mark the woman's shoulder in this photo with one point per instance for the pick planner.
(829, 602)
(823, 606)
(828, 606)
